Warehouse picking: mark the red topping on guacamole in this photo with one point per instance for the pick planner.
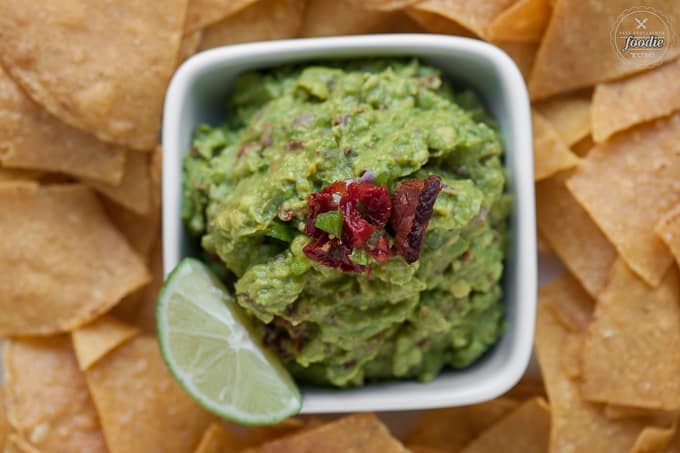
(348, 216)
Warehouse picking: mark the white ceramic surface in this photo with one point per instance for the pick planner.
(197, 95)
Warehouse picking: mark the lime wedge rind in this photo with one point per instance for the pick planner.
(256, 389)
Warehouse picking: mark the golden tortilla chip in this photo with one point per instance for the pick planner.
(524, 21)
(474, 15)
(551, 155)
(63, 262)
(141, 231)
(216, 439)
(357, 433)
(48, 402)
(262, 21)
(99, 66)
(569, 115)
(616, 411)
(654, 439)
(436, 23)
(141, 407)
(576, 50)
(523, 54)
(133, 191)
(577, 425)
(527, 387)
(526, 429)
(341, 17)
(189, 45)
(631, 354)
(201, 13)
(626, 184)
(93, 341)
(583, 147)
(31, 138)
(433, 427)
(383, 5)
(571, 305)
(573, 235)
(258, 435)
(668, 229)
(16, 444)
(624, 103)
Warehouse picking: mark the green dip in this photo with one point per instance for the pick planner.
(293, 131)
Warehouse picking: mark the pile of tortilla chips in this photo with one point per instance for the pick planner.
(81, 94)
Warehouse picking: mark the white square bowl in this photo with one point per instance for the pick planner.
(197, 95)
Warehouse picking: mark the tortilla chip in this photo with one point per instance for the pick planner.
(569, 115)
(527, 387)
(624, 103)
(577, 426)
(526, 429)
(258, 435)
(631, 353)
(583, 147)
(383, 5)
(216, 439)
(201, 13)
(133, 191)
(99, 66)
(341, 17)
(576, 50)
(141, 231)
(189, 45)
(436, 23)
(474, 15)
(262, 21)
(141, 407)
(617, 411)
(551, 155)
(93, 341)
(357, 433)
(655, 438)
(433, 428)
(523, 54)
(63, 262)
(573, 235)
(48, 402)
(16, 444)
(668, 229)
(626, 184)
(524, 21)
(571, 305)
(31, 138)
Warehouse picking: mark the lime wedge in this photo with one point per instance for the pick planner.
(214, 353)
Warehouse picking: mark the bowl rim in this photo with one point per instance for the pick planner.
(327, 400)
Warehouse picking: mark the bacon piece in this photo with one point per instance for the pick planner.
(366, 208)
(333, 253)
(323, 201)
(412, 205)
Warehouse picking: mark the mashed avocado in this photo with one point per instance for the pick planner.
(293, 131)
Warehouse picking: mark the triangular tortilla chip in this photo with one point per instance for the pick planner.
(524, 21)
(140, 405)
(631, 354)
(583, 147)
(360, 433)
(262, 21)
(474, 15)
(48, 402)
(134, 190)
(655, 439)
(93, 341)
(522, 53)
(551, 155)
(573, 235)
(626, 185)
(577, 425)
(341, 17)
(63, 262)
(624, 103)
(99, 66)
(201, 13)
(576, 50)
(433, 428)
(527, 429)
(668, 229)
(574, 307)
(569, 115)
(216, 439)
(31, 138)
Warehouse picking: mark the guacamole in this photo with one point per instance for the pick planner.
(293, 131)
